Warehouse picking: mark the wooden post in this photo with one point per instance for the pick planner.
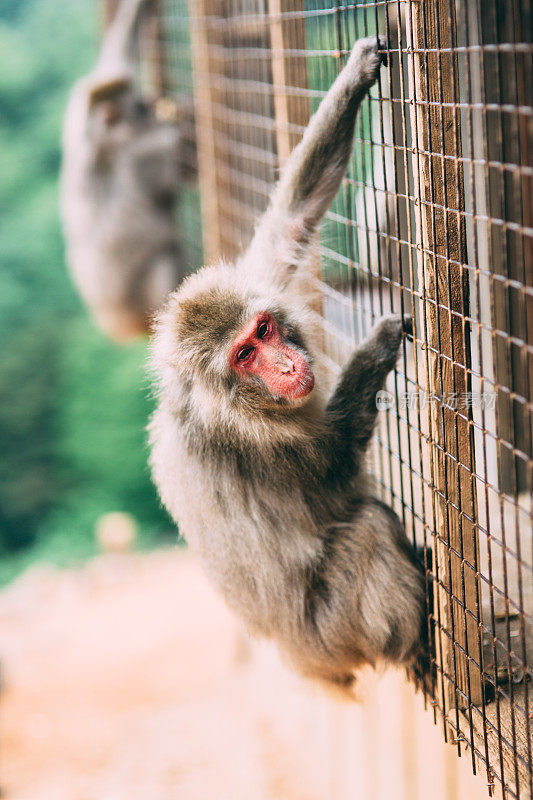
(205, 43)
(507, 140)
(444, 284)
(288, 72)
(150, 50)
(160, 78)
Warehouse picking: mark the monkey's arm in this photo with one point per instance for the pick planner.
(317, 165)
(97, 94)
(114, 71)
(351, 411)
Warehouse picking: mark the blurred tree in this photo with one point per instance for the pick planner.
(102, 408)
(11, 9)
(28, 472)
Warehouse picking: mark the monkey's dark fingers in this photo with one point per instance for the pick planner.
(407, 325)
(383, 49)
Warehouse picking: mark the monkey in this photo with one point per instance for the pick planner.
(263, 474)
(120, 182)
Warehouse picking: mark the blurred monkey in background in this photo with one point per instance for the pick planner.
(120, 181)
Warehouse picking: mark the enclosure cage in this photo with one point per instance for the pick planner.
(435, 219)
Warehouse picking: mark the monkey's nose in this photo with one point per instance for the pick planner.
(284, 364)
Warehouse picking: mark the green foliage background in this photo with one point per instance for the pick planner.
(73, 407)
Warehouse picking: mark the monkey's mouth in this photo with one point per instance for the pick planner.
(303, 386)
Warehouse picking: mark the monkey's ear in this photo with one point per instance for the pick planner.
(108, 90)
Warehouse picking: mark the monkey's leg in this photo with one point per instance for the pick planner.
(365, 599)
(352, 408)
(371, 605)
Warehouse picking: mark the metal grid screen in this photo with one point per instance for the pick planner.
(435, 218)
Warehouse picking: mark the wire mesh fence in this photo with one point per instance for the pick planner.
(166, 77)
(434, 218)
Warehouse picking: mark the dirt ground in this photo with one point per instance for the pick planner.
(127, 679)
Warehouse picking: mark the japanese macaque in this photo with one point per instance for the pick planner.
(264, 476)
(120, 181)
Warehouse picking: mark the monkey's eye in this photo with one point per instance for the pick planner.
(244, 353)
(263, 329)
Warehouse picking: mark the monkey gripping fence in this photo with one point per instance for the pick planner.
(435, 218)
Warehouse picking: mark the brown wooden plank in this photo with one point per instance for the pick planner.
(502, 738)
(287, 73)
(205, 40)
(444, 281)
(508, 139)
(292, 111)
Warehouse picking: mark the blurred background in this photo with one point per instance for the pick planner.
(73, 406)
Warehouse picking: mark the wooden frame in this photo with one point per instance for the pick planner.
(290, 110)
(204, 47)
(443, 282)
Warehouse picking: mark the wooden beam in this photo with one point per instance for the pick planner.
(508, 140)
(443, 280)
(288, 72)
(205, 43)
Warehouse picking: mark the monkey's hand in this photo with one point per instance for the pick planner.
(365, 61)
(352, 408)
(384, 341)
(315, 169)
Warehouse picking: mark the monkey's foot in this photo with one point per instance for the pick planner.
(366, 59)
(385, 339)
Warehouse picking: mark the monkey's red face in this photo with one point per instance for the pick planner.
(262, 351)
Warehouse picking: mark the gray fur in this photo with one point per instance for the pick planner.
(120, 181)
(271, 492)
